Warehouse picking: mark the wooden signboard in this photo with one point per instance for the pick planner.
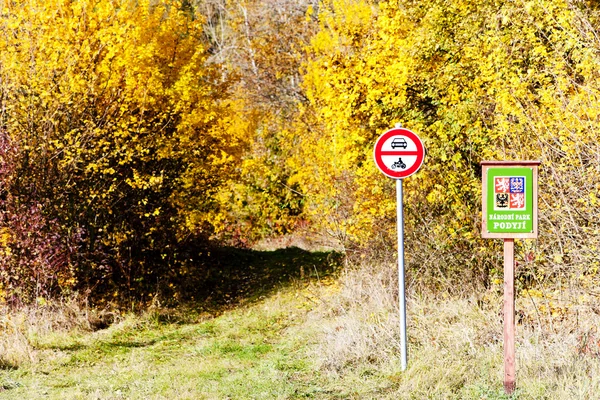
(509, 212)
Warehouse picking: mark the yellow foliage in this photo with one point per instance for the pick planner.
(476, 81)
(121, 130)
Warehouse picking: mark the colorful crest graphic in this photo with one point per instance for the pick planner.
(509, 193)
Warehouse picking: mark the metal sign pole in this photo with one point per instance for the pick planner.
(401, 285)
(399, 153)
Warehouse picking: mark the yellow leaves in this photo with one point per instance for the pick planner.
(5, 239)
(121, 96)
(479, 80)
(155, 213)
(139, 181)
(309, 12)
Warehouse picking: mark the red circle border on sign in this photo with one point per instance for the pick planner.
(398, 174)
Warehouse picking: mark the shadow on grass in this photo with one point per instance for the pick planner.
(6, 365)
(131, 344)
(208, 279)
(229, 276)
(221, 279)
(61, 346)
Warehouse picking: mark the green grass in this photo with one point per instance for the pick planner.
(264, 350)
(235, 341)
(248, 352)
(319, 338)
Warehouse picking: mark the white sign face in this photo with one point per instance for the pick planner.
(399, 153)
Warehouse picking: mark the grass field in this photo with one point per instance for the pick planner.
(244, 352)
(320, 335)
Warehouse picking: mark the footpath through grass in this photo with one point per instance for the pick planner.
(246, 338)
(251, 352)
(307, 335)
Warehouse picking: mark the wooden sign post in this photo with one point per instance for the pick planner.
(509, 205)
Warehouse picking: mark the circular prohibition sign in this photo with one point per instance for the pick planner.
(399, 153)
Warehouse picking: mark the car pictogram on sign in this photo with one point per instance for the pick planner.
(399, 142)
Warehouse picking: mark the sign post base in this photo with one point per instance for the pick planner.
(509, 316)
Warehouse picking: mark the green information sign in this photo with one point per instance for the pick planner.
(509, 199)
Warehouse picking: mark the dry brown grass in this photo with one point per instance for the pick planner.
(455, 344)
(24, 331)
(352, 337)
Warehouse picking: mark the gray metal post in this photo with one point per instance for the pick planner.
(401, 285)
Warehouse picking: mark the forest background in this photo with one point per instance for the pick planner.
(152, 151)
(135, 136)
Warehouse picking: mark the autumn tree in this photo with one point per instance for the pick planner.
(131, 130)
(115, 138)
(262, 43)
(476, 80)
